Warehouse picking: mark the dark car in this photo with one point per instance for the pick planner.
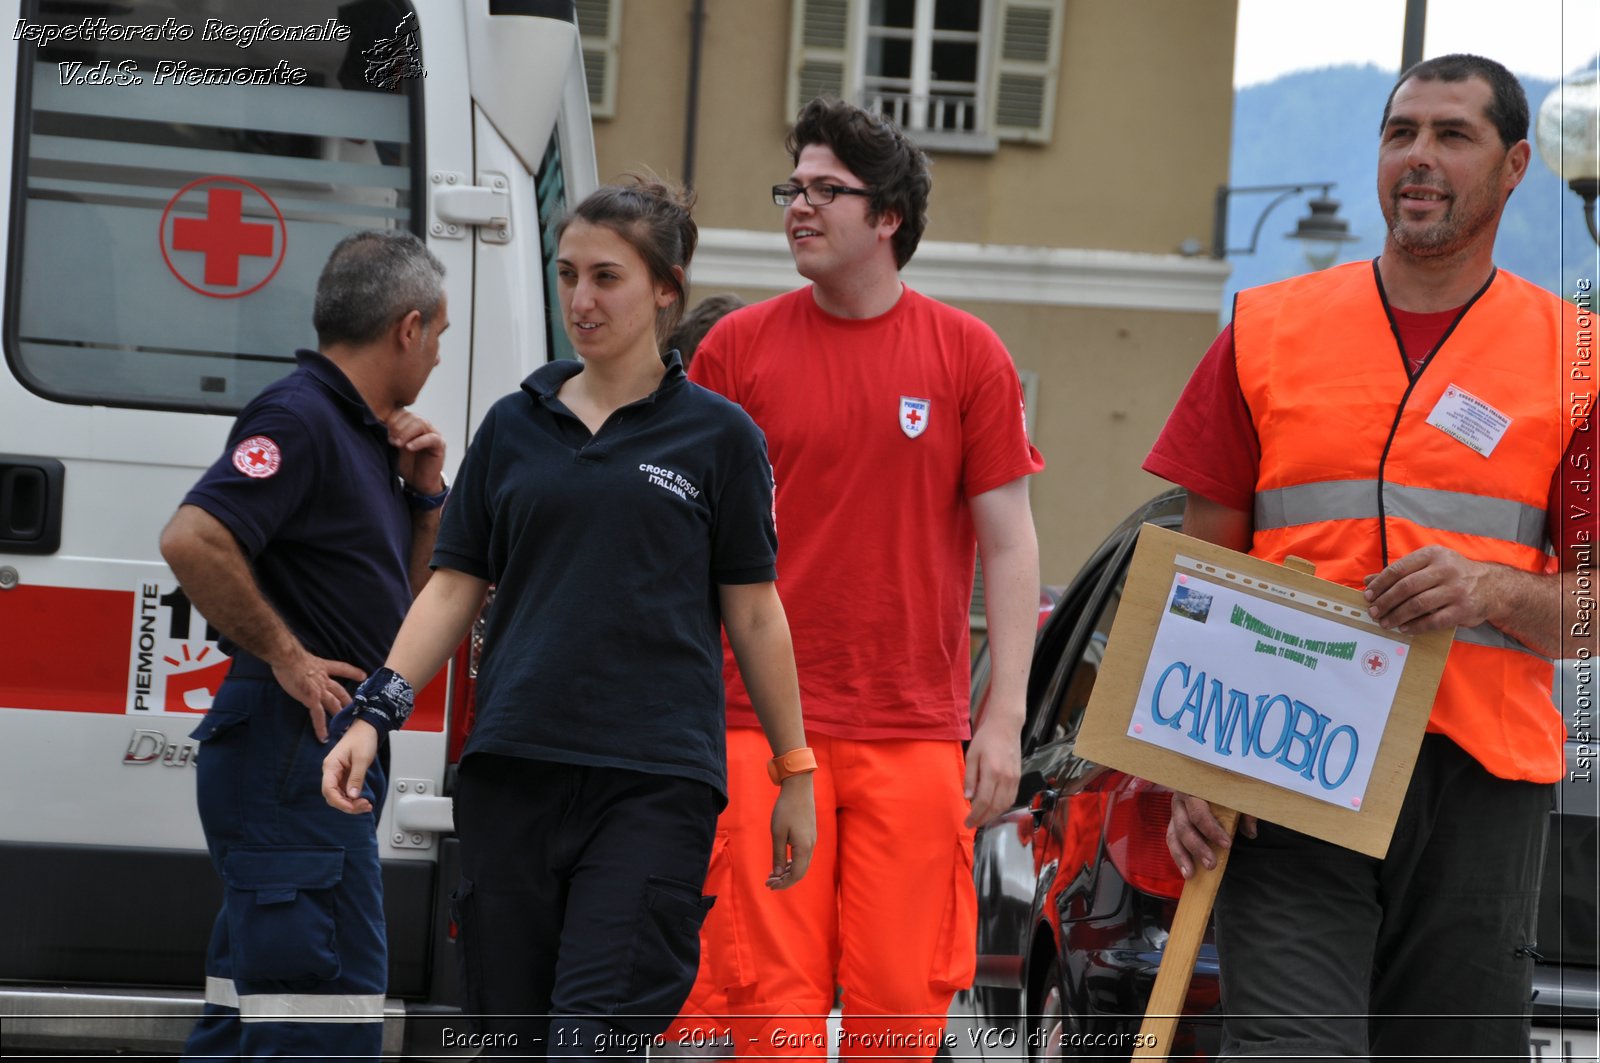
(1076, 890)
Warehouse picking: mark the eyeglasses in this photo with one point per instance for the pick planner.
(818, 195)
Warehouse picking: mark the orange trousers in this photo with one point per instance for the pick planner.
(887, 911)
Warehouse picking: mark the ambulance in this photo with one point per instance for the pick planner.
(179, 172)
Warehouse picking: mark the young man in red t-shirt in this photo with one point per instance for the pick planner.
(895, 429)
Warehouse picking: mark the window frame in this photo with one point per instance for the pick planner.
(924, 34)
(22, 159)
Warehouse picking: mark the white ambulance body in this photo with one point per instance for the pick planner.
(179, 171)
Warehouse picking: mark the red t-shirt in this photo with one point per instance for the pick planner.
(1209, 444)
(879, 432)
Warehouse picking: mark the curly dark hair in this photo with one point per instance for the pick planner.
(877, 151)
(1508, 108)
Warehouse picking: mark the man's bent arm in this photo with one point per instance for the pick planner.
(1009, 549)
(1217, 523)
(1435, 587)
(216, 576)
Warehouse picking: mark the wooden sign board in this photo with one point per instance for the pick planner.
(1261, 689)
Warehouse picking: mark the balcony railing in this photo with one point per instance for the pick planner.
(946, 112)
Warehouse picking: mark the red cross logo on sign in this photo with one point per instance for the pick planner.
(210, 245)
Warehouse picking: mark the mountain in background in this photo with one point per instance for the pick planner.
(1322, 125)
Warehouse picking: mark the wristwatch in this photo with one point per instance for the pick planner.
(795, 762)
(421, 502)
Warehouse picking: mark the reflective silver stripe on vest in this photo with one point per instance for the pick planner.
(221, 991)
(1493, 637)
(311, 1007)
(1452, 511)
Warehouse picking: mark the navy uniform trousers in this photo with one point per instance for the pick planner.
(1425, 955)
(579, 903)
(298, 961)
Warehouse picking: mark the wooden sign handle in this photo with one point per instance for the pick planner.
(1182, 948)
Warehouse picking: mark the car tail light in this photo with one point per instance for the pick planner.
(464, 684)
(1136, 837)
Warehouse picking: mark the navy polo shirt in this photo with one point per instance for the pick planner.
(603, 644)
(309, 486)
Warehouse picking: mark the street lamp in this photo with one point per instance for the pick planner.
(1322, 229)
(1569, 138)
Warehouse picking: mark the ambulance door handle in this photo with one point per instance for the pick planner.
(30, 504)
(420, 812)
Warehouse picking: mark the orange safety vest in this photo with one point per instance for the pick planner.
(1353, 476)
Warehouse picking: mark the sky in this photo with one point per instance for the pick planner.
(1545, 38)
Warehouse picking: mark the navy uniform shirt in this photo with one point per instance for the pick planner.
(309, 487)
(603, 644)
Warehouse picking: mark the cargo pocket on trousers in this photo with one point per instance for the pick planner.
(464, 914)
(726, 954)
(955, 956)
(666, 950)
(281, 912)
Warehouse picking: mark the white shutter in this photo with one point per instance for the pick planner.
(819, 52)
(1028, 54)
(599, 25)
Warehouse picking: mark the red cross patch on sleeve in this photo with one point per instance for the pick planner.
(257, 457)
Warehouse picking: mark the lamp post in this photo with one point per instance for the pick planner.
(1322, 229)
(1568, 135)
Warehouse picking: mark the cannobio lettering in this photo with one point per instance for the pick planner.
(1271, 727)
(675, 482)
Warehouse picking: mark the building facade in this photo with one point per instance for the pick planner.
(1076, 146)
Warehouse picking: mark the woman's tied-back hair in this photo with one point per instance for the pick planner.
(372, 280)
(877, 151)
(653, 216)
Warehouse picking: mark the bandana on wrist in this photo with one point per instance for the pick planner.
(385, 700)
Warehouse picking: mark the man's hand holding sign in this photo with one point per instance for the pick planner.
(1248, 686)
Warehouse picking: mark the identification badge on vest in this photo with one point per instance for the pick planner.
(1468, 419)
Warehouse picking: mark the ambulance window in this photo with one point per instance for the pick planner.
(188, 166)
(551, 185)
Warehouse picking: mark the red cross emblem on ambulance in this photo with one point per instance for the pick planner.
(913, 416)
(222, 237)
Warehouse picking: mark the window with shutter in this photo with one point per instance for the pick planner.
(958, 75)
(1025, 75)
(599, 25)
(819, 52)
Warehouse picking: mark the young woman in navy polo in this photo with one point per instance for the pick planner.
(624, 516)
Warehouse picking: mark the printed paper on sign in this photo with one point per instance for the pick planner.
(1278, 694)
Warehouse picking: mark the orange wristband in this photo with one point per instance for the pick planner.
(795, 762)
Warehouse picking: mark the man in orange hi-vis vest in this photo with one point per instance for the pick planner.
(1401, 423)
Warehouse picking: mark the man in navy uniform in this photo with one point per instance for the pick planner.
(304, 545)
